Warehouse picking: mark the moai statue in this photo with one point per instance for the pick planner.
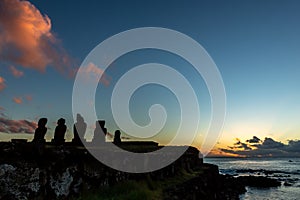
(99, 133)
(79, 129)
(60, 131)
(117, 137)
(39, 136)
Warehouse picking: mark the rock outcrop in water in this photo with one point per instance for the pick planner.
(258, 181)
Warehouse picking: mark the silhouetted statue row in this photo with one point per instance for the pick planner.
(79, 130)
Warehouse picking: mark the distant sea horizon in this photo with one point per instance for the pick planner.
(284, 169)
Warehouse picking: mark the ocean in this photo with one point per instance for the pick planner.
(287, 170)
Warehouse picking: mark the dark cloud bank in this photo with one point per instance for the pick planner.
(268, 147)
(16, 126)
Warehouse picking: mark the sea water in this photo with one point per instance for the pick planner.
(286, 170)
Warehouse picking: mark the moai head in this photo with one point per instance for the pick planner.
(42, 122)
(61, 121)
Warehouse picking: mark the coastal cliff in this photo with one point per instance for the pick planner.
(70, 172)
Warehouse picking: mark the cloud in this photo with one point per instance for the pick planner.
(26, 38)
(264, 148)
(18, 100)
(269, 143)
(240, 145)
(2, 110)
(238, 142)
(111, 136)
(2, 83)
(254, 140)
(17, 126)
(245, 146)
(28, 97)
(15, 72)
(125, 138)
(293, 146)
(92, 72)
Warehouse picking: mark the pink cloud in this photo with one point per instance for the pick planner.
(18, 100)
(26, 38)
(17, 73)
(109, 135)
(2, 112)
(28, 97)
(17, 126)
(92, 72)
(2, 83)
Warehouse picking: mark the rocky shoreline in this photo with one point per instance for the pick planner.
(71, 172)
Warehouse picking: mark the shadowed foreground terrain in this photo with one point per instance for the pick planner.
(70, 172)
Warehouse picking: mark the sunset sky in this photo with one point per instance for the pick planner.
(255, 44)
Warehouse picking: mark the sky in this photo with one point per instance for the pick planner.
(255, 45)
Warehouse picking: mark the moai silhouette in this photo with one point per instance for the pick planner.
(99, 133)
(39, 136)
(60, 131)
(79, 129)
(117, 137)
(40, 132)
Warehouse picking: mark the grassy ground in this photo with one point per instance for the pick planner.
(136, 190)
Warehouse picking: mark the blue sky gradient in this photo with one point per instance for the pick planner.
(255, 44)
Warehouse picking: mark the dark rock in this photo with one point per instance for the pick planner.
(258, 181)
(287, 184)
(209, 185)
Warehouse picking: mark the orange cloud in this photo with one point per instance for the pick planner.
(2, 83)
(26, 38)
(18, 100)
(17, 73)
